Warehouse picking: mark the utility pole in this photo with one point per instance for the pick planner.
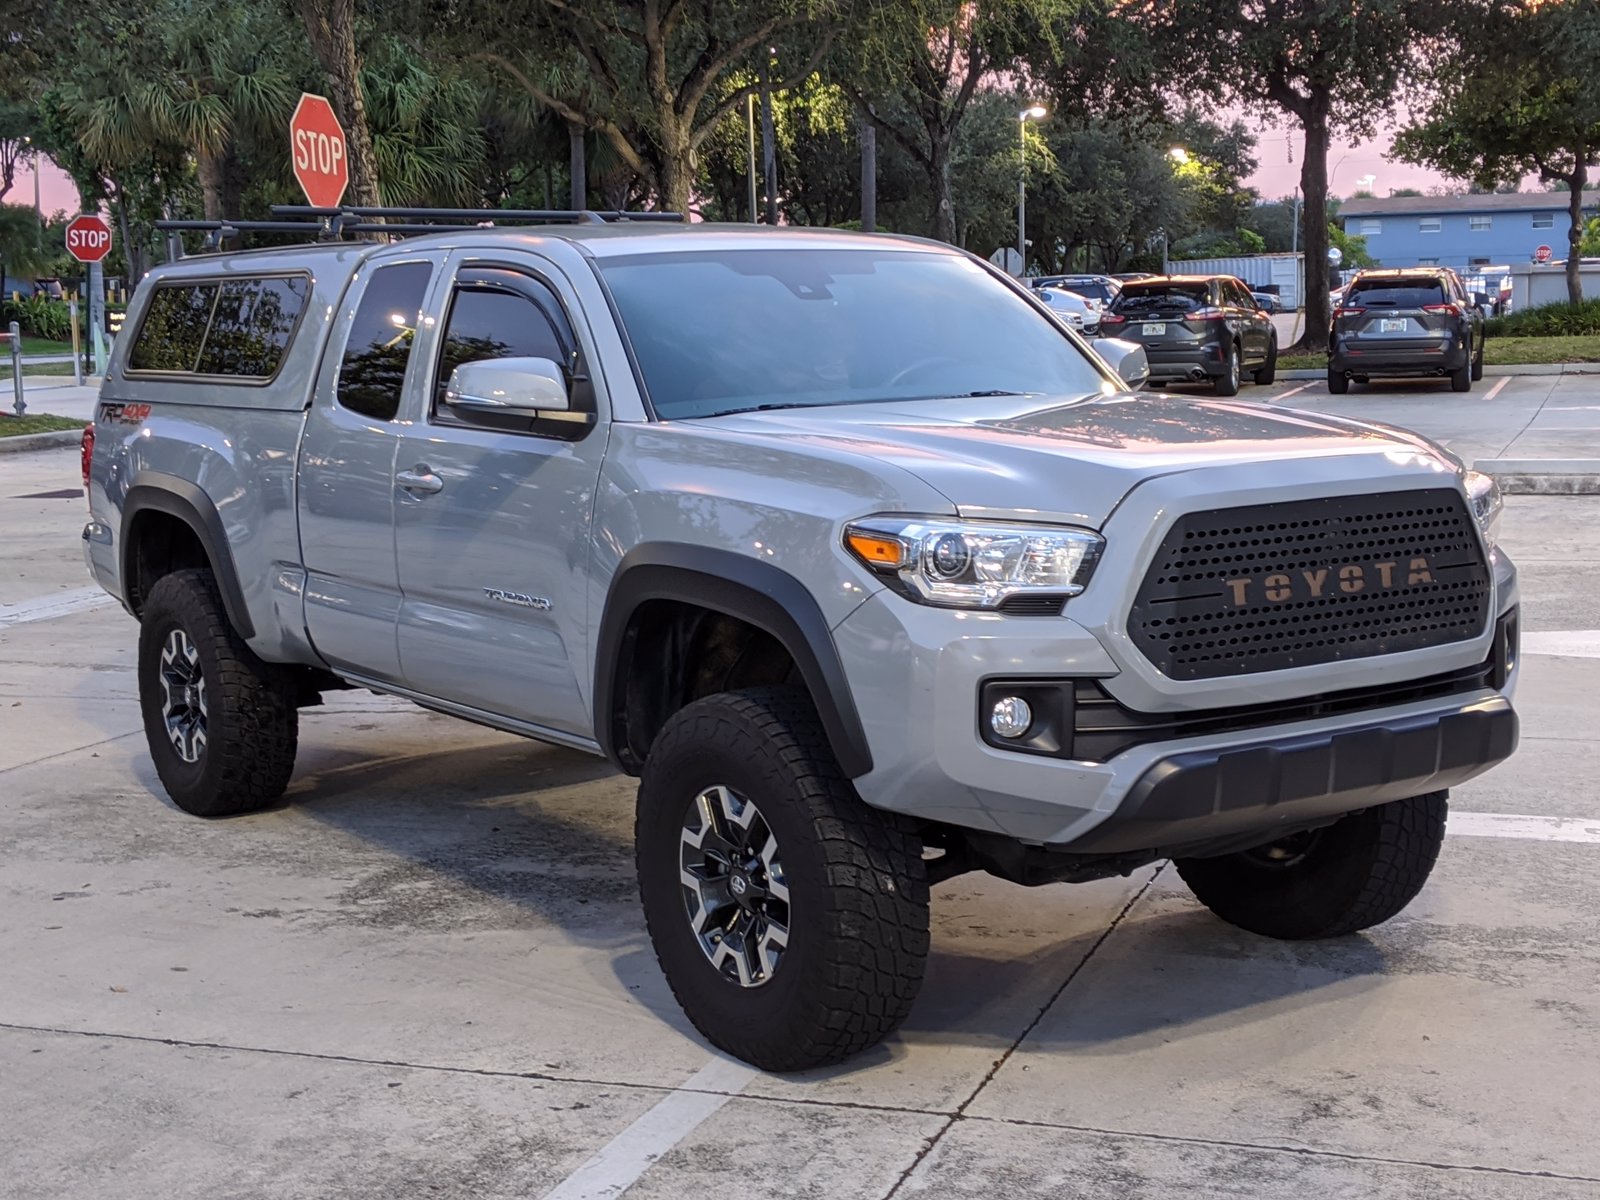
(750, 130)
(869, 176)
(578, 168)
(769, 151)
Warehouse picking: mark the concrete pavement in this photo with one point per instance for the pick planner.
(426, 974)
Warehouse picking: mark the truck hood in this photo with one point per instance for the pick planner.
(1069, 459)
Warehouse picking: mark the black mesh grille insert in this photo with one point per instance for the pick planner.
(1235, 591)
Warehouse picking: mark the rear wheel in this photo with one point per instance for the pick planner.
(1227, 384)
(1477, 363)
(1353, 874)
(790, 919)
(1269, 372)
(1461, 378)
(221, 724)
(1338, 382)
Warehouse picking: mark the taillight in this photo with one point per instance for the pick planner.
(1347, 311)
(1113, 319)
(86, 452)
(1453, 309)
(1201, 315)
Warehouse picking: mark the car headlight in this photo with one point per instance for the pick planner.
(958, 564)
(1483, 497)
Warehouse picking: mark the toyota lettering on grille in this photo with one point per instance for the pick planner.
(1346, 579)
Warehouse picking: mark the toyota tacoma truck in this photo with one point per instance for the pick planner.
(870, 570)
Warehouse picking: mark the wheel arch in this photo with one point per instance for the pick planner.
(722, 582)
(154, 492)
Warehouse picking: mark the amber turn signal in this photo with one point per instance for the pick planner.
(874, 549)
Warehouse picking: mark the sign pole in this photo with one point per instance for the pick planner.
(77, 344)
(97, 316)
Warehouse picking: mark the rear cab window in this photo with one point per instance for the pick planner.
(372, 372)
(1395, 293)
(238, 328)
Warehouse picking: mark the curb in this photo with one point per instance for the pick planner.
(24, 442)
(1489, 372)
(1544, 476)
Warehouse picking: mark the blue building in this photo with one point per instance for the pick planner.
(1464, 232)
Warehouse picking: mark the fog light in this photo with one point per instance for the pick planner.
(1010, 717)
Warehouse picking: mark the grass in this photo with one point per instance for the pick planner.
(1497, 352)
(11, 426)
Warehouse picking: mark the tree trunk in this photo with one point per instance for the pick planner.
(208, 166)
(943, 223)
(1314, 186)
(1576, 181)
(331, 29)
(676, 177)
(869, 176)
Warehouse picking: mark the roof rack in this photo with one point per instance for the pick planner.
(331, 224)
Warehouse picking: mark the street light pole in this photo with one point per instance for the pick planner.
(1035, 112)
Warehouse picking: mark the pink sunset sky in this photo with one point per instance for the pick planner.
(1276, 176)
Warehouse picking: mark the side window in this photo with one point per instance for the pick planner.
(174, 327)
(379, 347)
(251, 325)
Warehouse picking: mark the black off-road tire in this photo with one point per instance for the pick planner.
(858, 892)
(1269, 372)
(1356, 873)
(251, 726)
(1338, 382)
(1227, 384)
(1461, 379)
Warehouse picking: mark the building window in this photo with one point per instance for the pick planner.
(1427, 262)
(1544, 220)
(1370, 227)
(1480, 224)
(1430, 225)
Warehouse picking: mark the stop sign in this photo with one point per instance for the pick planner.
(88, 238)
(319, 152)
(1543, 254)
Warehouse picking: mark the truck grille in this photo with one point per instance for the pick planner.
(1267, 587)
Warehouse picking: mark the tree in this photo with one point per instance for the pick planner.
(1516, 93)
(1327, 66)
(916, 70)
(21, 249)
(18, 123)
(331, 30)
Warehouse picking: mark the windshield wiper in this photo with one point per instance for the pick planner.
(733, 412)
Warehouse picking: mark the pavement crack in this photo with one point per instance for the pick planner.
(33, 762)
(1548, 396)
(930, 1143)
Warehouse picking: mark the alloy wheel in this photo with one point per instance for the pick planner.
(735, 892)
(183, 692)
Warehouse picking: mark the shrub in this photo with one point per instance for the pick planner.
(1549, 320)
(40, 316)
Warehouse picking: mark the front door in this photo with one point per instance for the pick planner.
(493, 546)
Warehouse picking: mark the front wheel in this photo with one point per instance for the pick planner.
(1353, 874)
(790, 919)
(221, 724)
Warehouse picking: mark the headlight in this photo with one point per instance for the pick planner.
(1483, 497)
(970, 565)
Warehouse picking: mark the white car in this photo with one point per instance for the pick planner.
(1078, 312)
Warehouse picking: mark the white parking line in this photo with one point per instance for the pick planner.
(629, 1155)
(61, 604)
(1496, 389)
(1512, 825)
(1567, 643)
(1281, 396)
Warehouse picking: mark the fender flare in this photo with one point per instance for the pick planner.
(156, 491)
(738, 586)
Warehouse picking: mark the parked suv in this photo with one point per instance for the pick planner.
(869, 569)
(1196, 327)
(1419, 321)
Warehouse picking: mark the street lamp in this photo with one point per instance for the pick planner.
(1023, 117)
(1178, 155)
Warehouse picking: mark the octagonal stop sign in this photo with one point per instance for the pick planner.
(318, 151)
(88, 238)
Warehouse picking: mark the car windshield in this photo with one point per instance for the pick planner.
(1091, 288)
(1144, 297)
(1394, 293)
(719, 331)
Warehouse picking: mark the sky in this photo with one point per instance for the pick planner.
(1277, 176)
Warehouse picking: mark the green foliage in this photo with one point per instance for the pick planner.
(1550, 320)
(1352, 245)
(1252, 242)
(39, 315)
(1590, 246)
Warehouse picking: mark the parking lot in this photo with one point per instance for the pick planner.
(427, 973)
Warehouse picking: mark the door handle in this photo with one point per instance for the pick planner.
(419, 480)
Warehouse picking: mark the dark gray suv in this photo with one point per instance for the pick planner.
(1406, 323)
(1196, 327)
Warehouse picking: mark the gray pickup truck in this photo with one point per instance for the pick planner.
(869, 569)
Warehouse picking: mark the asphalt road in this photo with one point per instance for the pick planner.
(427, 975)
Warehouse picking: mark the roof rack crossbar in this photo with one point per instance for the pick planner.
(566, 215)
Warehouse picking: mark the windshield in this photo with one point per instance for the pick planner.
(1183, 296)
(719, 331)
(1091, 289)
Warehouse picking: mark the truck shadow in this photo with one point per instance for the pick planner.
(505, 834)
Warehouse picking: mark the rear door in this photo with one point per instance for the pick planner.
(1397, 313)
(493, 553)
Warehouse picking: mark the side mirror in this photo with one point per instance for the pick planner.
(1126, 359)
(1481, 299)
(518, 387)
